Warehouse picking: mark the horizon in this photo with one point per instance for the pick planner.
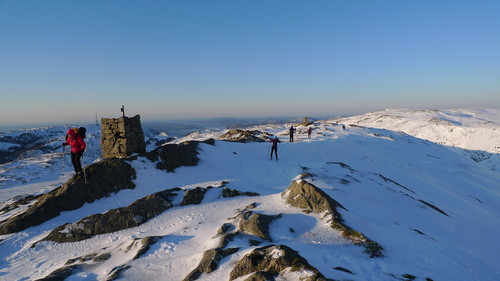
(67, 61)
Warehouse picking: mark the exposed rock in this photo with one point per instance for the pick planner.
(238, 135)
(193, 196)
(273, 259)
(227, 192)
(103, 178)
(60, 274)
(133, 215)
(117, 272)
(172, 156)
(257, 224)
(308, 197)
(20, 200)
(209, 262)
(434, 207)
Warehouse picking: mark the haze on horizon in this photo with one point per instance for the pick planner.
(67, 61)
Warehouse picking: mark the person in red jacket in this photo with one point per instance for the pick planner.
(75, 140)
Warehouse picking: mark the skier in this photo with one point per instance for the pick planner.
(292, 129)
(309, 130)
(78, 145)
(274, 147)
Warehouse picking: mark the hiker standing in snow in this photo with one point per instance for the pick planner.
(274, 147)
(78, 145)
(292, 129)
(309, 130)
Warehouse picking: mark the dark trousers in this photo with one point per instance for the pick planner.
(275, 149)
(75, 159)
(291, 137)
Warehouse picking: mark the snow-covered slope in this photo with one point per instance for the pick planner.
(473, 129)
(435, 212)
(477, 131)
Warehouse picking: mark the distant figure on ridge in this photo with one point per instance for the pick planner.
(74, 138)
(274, 147)
(292, 129)
(309, 130)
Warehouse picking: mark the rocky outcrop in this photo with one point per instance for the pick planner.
(228, 192)
(271, 261)
(238, 135)
(209, 262)
(172, 156)
(194, 196)
(257, 224)
(122, 136)
(310, 198)
(136, 246)
(133, 215)
(103, 178)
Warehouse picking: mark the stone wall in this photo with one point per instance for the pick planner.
(121, 136)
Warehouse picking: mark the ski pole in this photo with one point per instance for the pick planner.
(84, 173)
(62, 173)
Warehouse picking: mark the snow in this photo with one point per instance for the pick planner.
(387, 171)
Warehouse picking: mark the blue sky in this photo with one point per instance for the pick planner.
(65, 61)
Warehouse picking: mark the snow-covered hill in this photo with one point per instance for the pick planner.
(475, 130)
(434, 211)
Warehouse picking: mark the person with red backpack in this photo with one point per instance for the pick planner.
(74, 139)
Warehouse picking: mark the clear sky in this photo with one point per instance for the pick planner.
(63, 61)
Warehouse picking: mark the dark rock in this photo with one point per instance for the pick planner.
(257, 224)
(193, 196)
(172, 156)
(228, 192)
(434, 207)
(273, 259)
(133, 215)
(308, 197)
(103, 178)
(60, 274)
(238, 135)
(339, 268)
(19, 202)
(209, 262)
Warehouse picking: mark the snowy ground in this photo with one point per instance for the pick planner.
(391, 182)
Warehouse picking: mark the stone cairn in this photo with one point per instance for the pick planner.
(122, 136)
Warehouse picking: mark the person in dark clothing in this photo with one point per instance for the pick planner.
(292, 129)
(274, 147)
(78, 145)
(309, 130)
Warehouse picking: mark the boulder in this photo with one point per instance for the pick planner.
(238, 135)
(273, 259)
(172, 156)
